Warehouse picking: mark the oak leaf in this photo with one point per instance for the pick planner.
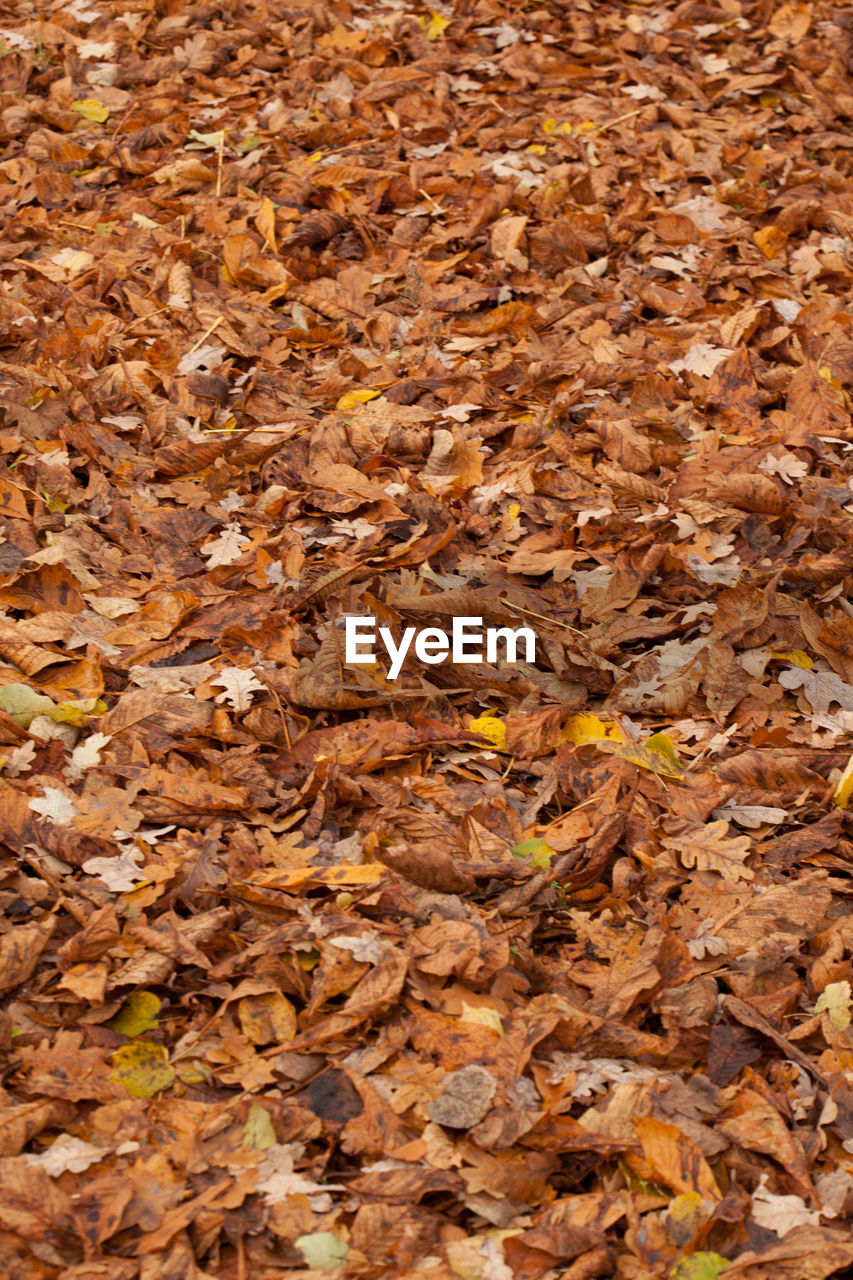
(709, 848)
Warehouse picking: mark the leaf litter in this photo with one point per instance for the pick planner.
(537, 314)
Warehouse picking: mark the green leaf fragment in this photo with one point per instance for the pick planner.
(699, 1266)
(23, 704)
(537, 851)
(322, 1251)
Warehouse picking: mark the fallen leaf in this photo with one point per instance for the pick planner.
(465, 1098)
(835, 1000)
(142, 1068)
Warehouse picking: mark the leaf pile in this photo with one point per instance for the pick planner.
(536, 313)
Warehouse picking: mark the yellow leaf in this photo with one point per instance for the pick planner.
(76, 713)
(835, 1000)
(259, 1133)
(796, 657)
(537, 850)
(137, 1014)
(702, 1265)
(190, 1074)
(686, 1216)
(641, 754)
(842, 792)
(662, 744)
(492, 728)
(537, 149)
(585, 727)
(369, 873)
(91, 109)
(657, 754)
(143, 1068)
(513, 511)
(353, 399)
(771, 241)
(483, 1017)
(265, 222)
(436, 26)
(308, 960)
(33, 402)
(209, 140)
(268, 1018)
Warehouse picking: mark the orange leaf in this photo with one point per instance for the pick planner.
(674, 1159)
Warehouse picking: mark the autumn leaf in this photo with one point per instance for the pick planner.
(699, 1266)
(492, 728)
(267, 1018)
(91, 109)
(55, 805)
(120, 874)
(844, 787)
(23, 704)
(322, 1251)
(835, 1000)
(138, 1014)
(535, 960)
(537, 851)
(227, 547)
(259, 1133)
(238, 685)
(585, 727)
(142, 1068)
(709, 848)
(674, 1159)
(435, 25)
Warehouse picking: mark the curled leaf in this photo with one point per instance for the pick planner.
(92, 109)
(137, 1014)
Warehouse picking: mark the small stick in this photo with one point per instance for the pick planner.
(629, 115)
(541, 616)
(219, 164)
(208, 331)
(155, 312)
(427, 196)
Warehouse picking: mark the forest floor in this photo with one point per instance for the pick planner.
(538, 313)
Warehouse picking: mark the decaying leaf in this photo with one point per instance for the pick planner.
(142, 1068)
(238, 687)
(497, 960)
(465, 1098)
(709, 848)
